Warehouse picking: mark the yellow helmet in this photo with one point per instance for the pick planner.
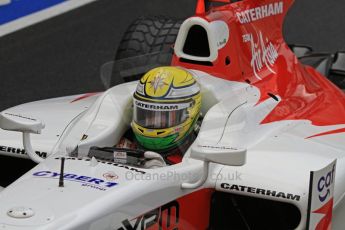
(166, 106)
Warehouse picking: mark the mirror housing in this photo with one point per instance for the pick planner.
(220, 154)
(17, 122)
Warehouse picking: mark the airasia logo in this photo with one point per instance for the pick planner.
(325, 184)
(264, 53)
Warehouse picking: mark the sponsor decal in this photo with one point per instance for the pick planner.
(325, 184)
(120, 157)
(165, 217)
(260, 12)
(110, 176)
(85, 181)
(320, 204)
(107, 163)
(217, 147)
(260, 191)
(221, 43)
(221, 31)
(20, 116)
(20, 151)
(264, 54)
(156, 106)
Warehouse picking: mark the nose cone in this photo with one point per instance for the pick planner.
(35, 201)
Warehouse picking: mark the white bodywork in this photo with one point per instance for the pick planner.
(278, 158)
(56, 114)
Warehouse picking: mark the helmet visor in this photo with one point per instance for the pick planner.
(158, 115)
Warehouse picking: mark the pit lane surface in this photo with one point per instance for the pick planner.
(62, 56)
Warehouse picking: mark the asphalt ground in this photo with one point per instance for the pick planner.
(62, 56)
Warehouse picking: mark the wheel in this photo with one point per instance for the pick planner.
(147, 43)
(148, 35)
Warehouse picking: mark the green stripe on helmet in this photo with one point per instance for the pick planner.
(157, 143)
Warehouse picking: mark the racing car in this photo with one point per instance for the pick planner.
(269, 153)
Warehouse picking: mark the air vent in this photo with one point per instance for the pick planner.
(200, 40)
(196, 43)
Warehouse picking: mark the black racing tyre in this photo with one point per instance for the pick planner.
(148, 35)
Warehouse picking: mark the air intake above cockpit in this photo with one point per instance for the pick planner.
(199, 40)
(196, 43)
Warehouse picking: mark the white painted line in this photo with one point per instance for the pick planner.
(4, 2)
(42, 15)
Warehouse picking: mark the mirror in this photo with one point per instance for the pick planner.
(18, 122)
(215, 153)
(220, 154)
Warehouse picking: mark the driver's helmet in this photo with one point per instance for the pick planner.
(166, 105)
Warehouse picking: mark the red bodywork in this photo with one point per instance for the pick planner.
(176, 214)
(305, 94)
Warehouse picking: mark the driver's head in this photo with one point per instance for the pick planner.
(166, 106)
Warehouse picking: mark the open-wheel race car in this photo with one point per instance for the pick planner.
(268, 154)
